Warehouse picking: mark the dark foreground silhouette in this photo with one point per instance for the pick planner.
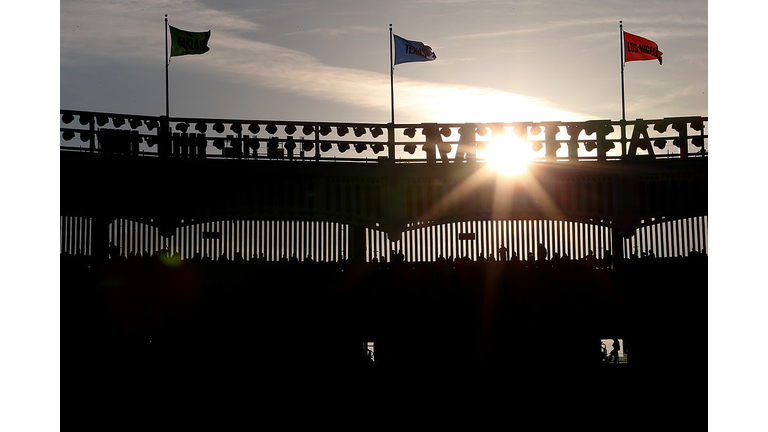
(280, 319)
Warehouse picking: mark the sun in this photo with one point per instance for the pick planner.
(508, 155)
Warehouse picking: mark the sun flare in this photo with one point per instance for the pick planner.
(508, 155)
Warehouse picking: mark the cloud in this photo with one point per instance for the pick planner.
(652, 24)
(297, 72)
(120, 37)
(96, 31)
(335, 32)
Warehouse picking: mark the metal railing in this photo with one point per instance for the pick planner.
(304, 141)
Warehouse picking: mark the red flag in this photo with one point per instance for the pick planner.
(638, 48)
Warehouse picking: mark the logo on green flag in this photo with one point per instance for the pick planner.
(185, 42)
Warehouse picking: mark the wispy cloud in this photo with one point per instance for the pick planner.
(531, 28)
(642, 103)
(294, 71)
(335, 32)
(122, 30)
(258, 64)
(496, 34)
(654, 25)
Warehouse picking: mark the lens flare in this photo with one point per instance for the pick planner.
(170, 261)
(508, 155)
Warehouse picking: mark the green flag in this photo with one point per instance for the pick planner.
(185, 42)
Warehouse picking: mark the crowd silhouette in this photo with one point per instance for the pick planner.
(450, 314)
(542, 258)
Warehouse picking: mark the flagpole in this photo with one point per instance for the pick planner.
(166, 66)
(623, 109)
(621, 52)
(391, 75)
(391, 129)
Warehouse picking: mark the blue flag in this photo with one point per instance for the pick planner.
(412, 51)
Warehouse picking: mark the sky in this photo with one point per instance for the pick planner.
(329, 60)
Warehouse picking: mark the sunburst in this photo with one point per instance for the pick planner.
(508, 155)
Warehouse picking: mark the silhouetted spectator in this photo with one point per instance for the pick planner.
(290, 145)
(555, 258)
(202, 143)
(541, 251)
(164, 147)
(165, 252)
(503, 253)
(591, 259)
(237, 147)
(113, 251)
(615, 351)
(607, 259)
